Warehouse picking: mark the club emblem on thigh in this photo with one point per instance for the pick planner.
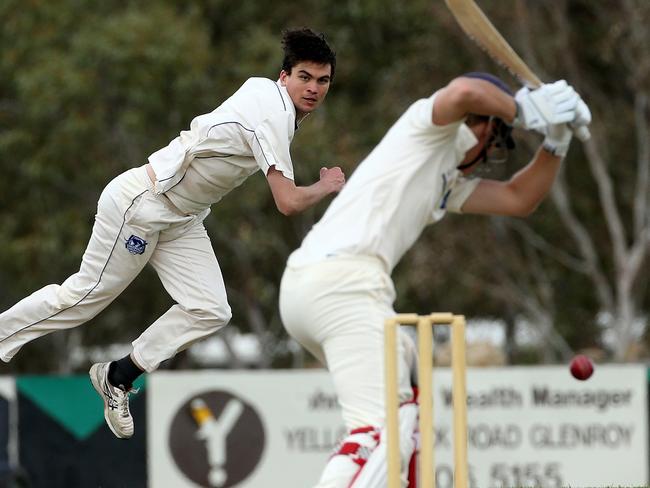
(136, 245)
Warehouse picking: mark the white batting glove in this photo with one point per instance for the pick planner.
(557, 139)
(581, 121)
(583, 114)
(553, 103)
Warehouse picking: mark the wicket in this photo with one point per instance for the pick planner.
(424, 325)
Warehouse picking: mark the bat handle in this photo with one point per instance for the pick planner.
(582, 133)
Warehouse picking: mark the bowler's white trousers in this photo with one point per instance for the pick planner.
(336, 309)
(133, 226)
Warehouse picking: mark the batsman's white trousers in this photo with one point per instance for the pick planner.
(133, 226)
(336, 309)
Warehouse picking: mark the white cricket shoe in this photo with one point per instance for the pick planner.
(116, 401)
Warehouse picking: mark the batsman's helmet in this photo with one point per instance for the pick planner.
(501, 141)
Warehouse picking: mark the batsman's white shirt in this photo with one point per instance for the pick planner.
(408, 181)
(251, 130)
(336, 290)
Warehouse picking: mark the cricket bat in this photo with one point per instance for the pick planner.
(479, 28)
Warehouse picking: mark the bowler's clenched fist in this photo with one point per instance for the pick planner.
(333, 178)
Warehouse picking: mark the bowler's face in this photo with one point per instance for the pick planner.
(307, 85)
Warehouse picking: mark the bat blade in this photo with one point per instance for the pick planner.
(479, 28)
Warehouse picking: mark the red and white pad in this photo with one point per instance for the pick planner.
(360, 461)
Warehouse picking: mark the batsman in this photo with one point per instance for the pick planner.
(337, 291)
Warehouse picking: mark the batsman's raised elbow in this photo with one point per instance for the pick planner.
(465, 91)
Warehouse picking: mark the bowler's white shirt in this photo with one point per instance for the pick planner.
(407, 182)
(251, 130)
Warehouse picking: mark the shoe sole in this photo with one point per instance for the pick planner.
(93, 375)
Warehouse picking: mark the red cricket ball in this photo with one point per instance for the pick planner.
(581, 367)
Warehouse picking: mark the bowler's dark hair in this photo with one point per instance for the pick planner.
(306, 45)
